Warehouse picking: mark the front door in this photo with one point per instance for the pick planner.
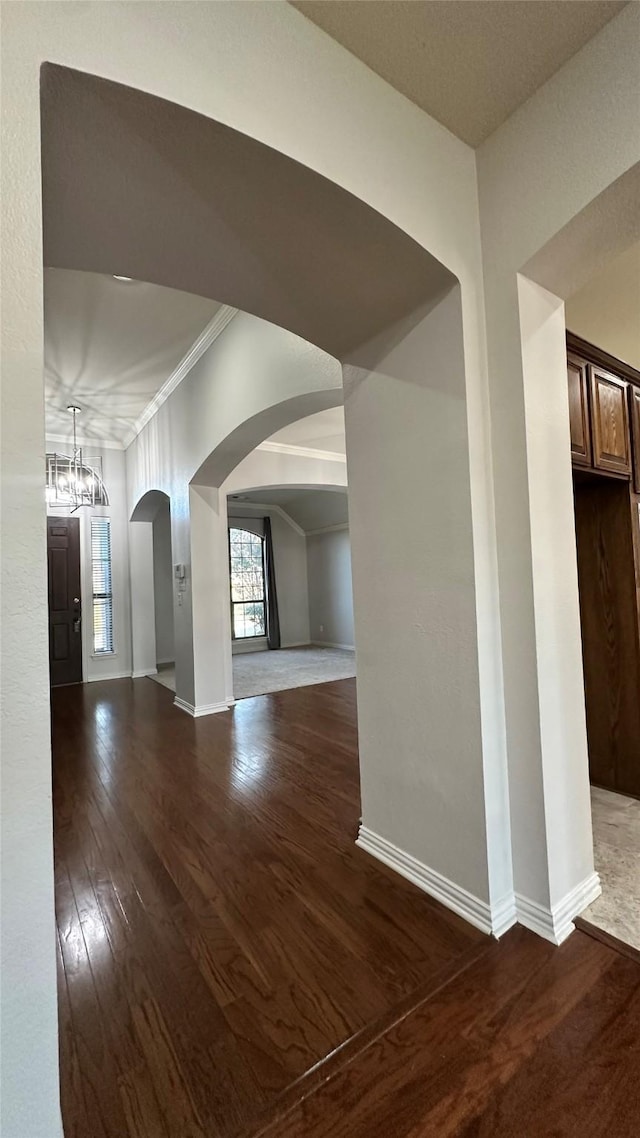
(65, 636)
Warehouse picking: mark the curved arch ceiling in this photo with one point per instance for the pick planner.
(138, 186)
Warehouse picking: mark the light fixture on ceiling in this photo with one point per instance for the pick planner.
(72, 481)
(116, 277)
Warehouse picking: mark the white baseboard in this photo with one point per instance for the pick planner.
(144, 672)
(251, 644)
(332, 644)
(169, 660)
(556, 924)
(493, 921)
(203, 709)
(111, 676)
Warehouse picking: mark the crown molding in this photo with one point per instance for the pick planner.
(302, 452)
(262, 508)
(328, 529)
(206, 338)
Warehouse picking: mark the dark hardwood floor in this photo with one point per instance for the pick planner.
(230, 964)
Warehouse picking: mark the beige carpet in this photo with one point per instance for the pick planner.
(256, 673)
(616, 841)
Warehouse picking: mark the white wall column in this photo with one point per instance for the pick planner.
(143, 628)
(212, 664)
(561, 768)
(427, 806)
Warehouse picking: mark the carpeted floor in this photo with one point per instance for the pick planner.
(256, 673)
(616, 844)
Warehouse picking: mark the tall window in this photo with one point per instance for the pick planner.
(248, 601)
(101, 585)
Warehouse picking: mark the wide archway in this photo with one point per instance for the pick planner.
(263, 233)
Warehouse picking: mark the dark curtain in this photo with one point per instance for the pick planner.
(273, 619)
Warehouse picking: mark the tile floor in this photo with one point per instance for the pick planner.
(616, 837)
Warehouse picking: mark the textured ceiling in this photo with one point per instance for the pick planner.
(109, 346)
(468, 63)
(606, 311)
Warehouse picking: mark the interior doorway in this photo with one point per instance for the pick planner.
(603, 370)
(65, 601)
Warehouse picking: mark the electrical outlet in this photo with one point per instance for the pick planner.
(322, 627)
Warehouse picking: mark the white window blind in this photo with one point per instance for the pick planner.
(101, 585)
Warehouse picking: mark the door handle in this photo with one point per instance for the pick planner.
(76, 624)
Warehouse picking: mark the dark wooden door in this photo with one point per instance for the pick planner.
(65, 637)
(579, 411)
(610, 638)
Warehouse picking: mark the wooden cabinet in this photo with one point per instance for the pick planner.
(634, 414)
(579, 410)
(610, 422)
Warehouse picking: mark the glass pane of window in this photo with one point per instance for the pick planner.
(246, 560)
(102, 587)
(248, 620)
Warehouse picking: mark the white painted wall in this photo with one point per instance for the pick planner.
(244, 386)
(163, 586)
(330, 589)
(606, 310)
(534, 185)
(414, 593)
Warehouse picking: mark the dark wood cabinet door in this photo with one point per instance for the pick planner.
(65, 639)
(610, 422)
(634, 410)
(579, 424)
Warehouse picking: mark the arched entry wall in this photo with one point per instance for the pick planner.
(249, 227)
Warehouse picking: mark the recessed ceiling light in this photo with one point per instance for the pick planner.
(118, 278)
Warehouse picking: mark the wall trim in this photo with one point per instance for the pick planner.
(328, 529)
(144, 672)
(206, 338)
(454, 897)
(302, 452)
(556, 923)
(259, 509)
(249, 645)
(601, 358)
(333, 644)
(203, 709)
(111, 676)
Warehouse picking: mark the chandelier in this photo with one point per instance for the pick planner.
(73, 481)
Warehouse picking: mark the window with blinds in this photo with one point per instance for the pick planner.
(101, 585)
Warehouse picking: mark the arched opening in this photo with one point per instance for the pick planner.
(243, 225)
(152, 588)
(585, 503)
